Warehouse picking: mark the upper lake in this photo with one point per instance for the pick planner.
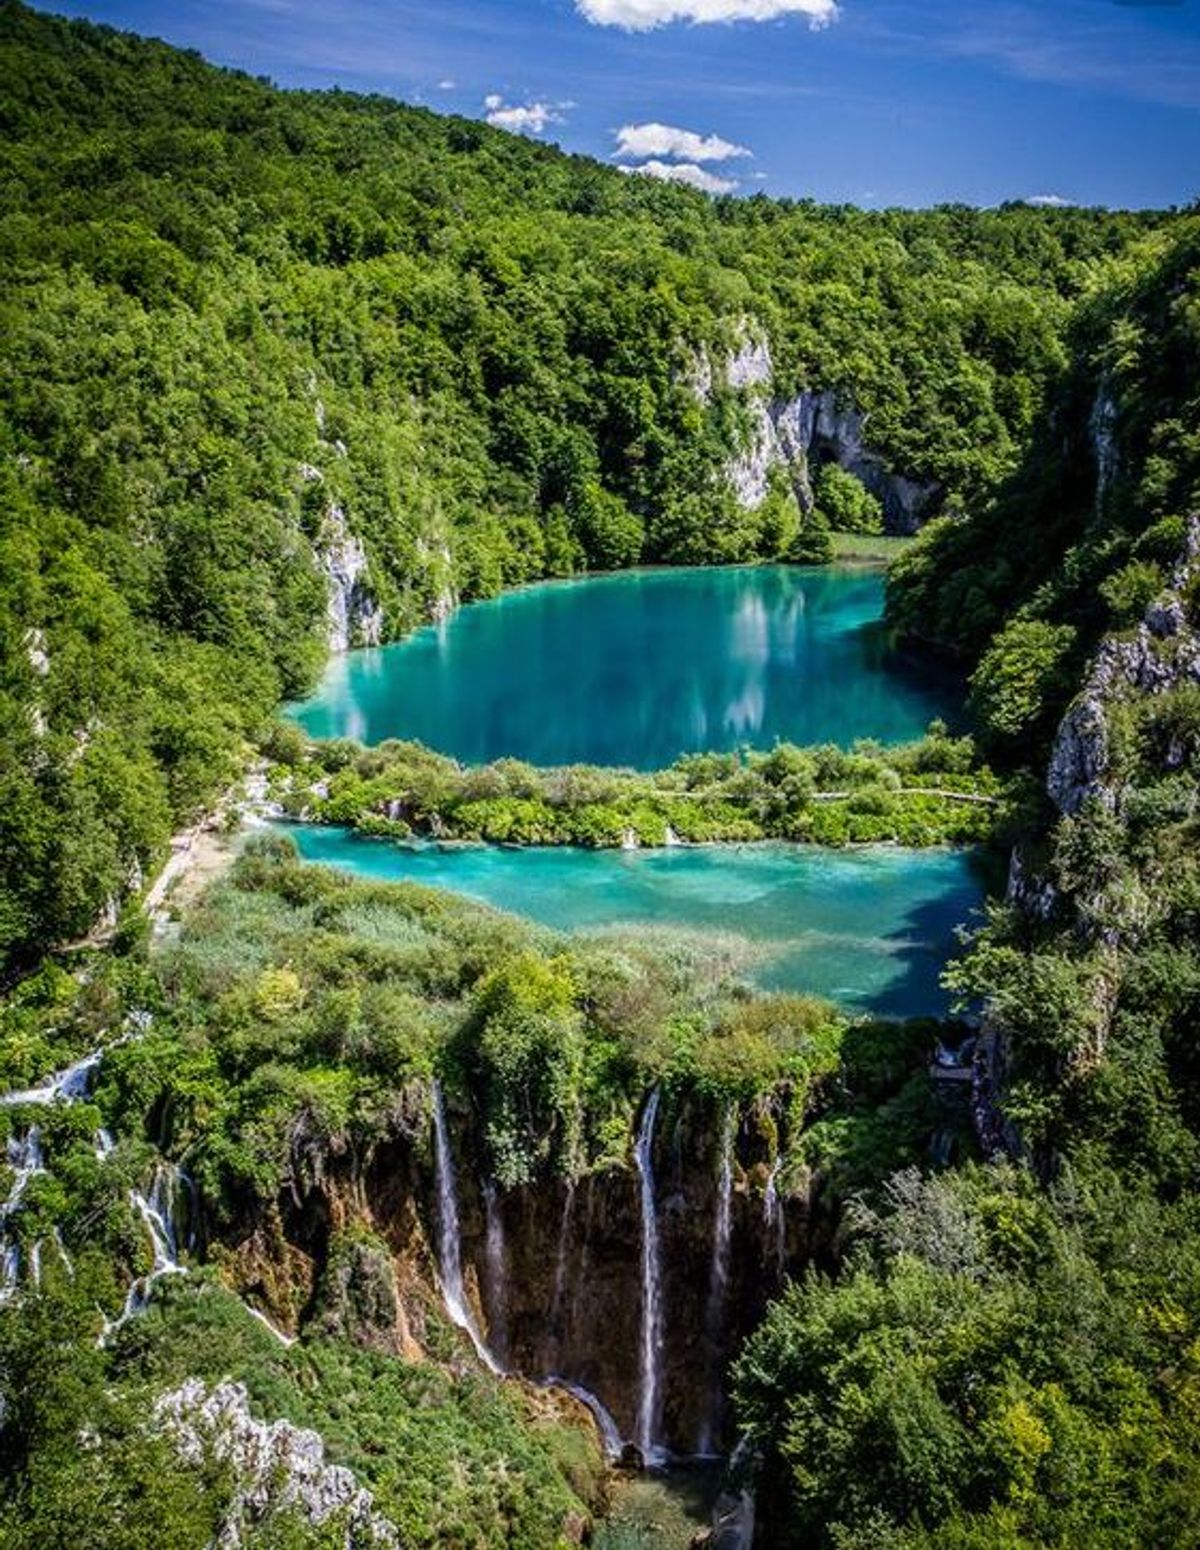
(637, 668)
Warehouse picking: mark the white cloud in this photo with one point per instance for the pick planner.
(447, 84)
(639, 140)
(522, 118)
(1048, 201)
(642, 15)
(684, 172)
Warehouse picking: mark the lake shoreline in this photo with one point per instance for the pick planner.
(639, 666)
(868, 927)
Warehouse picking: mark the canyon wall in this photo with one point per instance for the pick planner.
(551, 1278)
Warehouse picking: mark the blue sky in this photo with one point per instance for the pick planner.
(870, 101)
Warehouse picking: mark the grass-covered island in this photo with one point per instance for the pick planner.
(934, 792)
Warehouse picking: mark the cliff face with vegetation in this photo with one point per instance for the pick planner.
(1010, 1347)
(286, 370)
(434, 1143)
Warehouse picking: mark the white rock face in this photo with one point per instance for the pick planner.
(355, 618)
(1102, 428)
(277, 1466)
(794, 433)
(35, 647)
(751, 364)
(1162, 654)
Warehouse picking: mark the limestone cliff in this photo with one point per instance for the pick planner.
(1162, 654)
(354, 617)
(551, 1272)
(797, 433)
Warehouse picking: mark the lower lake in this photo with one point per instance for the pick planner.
(869, 928)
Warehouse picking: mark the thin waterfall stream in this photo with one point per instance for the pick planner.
(773, 1214)
(558, 1309)
(450, 1237)
(495, 1254)
(649, 1397)
(718, 1284)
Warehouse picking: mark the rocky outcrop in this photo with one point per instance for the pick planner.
(1162, 654)
(796, 434)
(277, 1468)
(358, 1299)
(354, 617)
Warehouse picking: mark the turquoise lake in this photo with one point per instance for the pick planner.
(637, 668)
(870, 928)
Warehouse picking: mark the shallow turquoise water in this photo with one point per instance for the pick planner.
(637, 668)
(869, 928)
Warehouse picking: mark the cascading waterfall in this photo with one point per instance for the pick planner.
(614, 1443)
(718, 1280)
(649, 1396)
(157, 1211)
(494, 1252)
(71, 1084)
(558, 1305)
(25, 1153)
(64, 1258)
(449, 1236)
(26, 1160)
(773, 1214)
(75, 1082)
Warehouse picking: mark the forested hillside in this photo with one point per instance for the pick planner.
(286, 371)
(1010, 1355)
(282, 369)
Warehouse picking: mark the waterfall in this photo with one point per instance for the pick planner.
(652, 1317)
(25, 1159)
(158, 1215)
(773, 1214)
(261, 1318)
(671, 840)
(557, 1306)
(718, 1280)
(614, 1443)
(104, 1144)
(10, 1268)
(69, 1084)
(449, 1237)
(495, 1256)
(64, 1257)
